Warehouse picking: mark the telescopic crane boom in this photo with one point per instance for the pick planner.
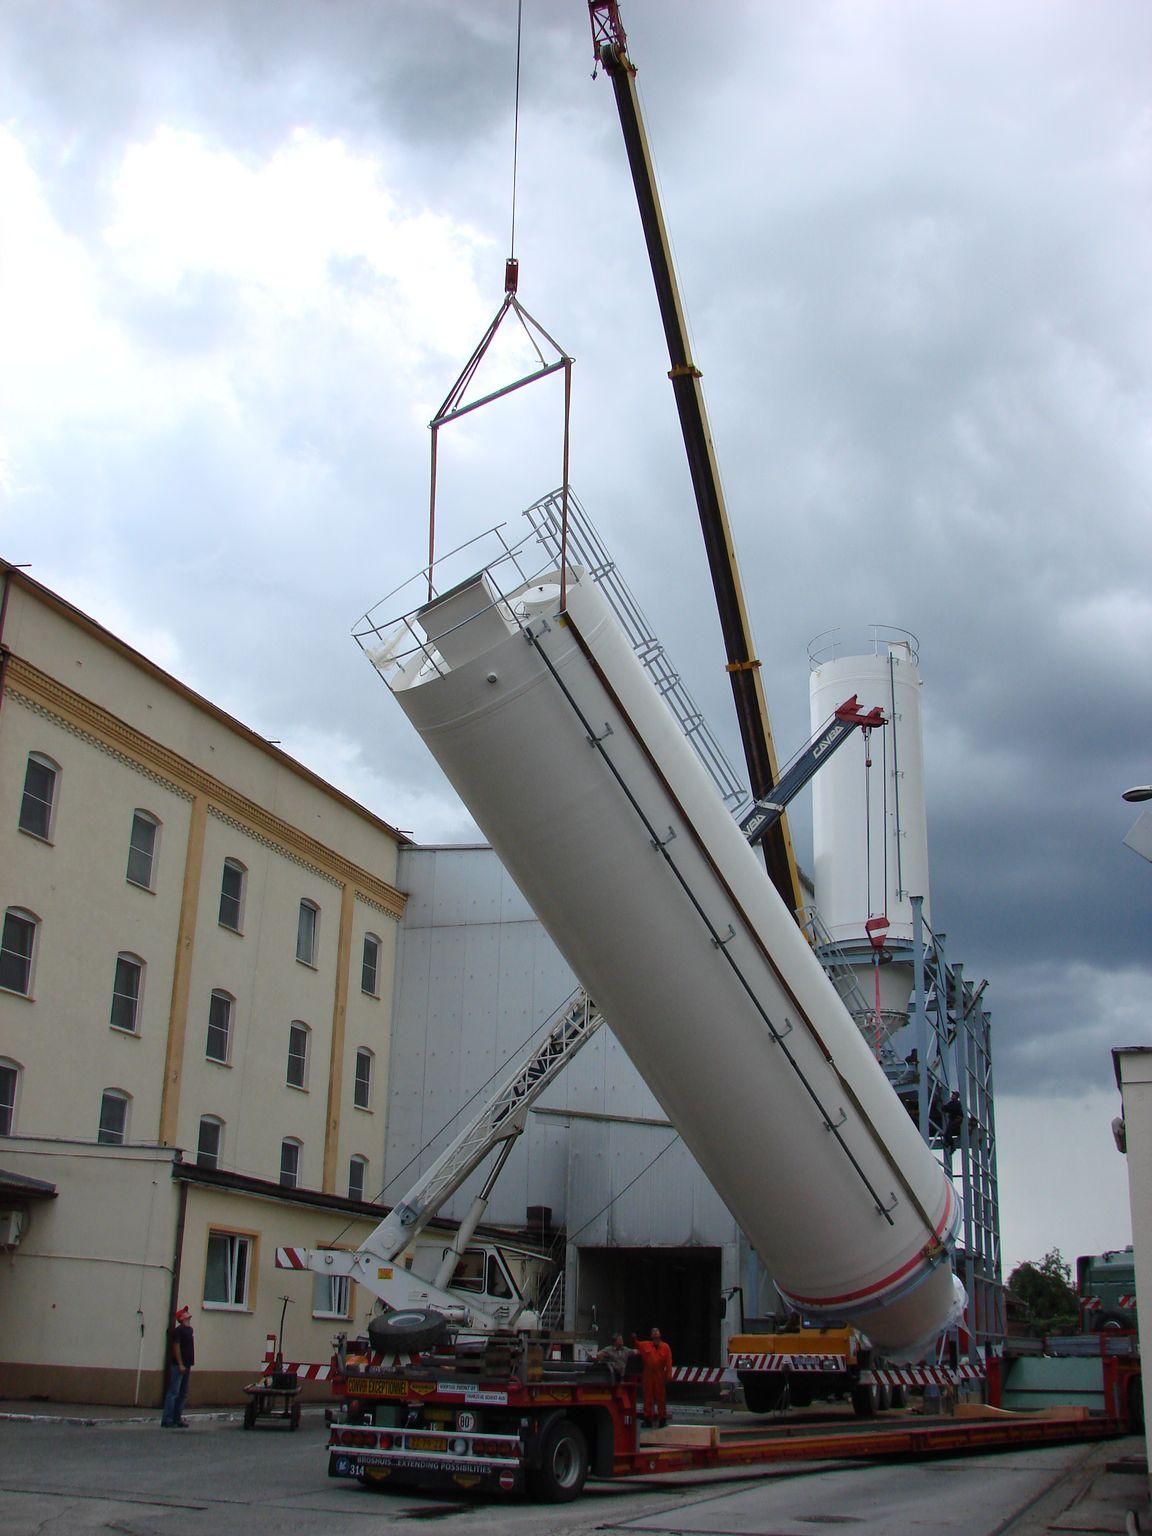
(611, 48)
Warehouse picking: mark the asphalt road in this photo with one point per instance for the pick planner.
(217, 1480)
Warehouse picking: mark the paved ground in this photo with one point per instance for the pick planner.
(120, 1474)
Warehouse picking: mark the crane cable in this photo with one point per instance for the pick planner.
(516, 128)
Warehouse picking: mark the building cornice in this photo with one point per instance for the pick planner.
(27, 684)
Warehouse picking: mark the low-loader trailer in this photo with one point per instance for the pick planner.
(504, 1417)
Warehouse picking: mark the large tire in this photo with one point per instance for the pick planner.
(250, 1415)
(1110, 1322)
(864, 1402)
(764, 1393)
(800, 1394)
(563, 1464)
(407, 1330)
(883, 1398)
(294, 1416)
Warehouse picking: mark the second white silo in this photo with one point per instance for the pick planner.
(869, 828)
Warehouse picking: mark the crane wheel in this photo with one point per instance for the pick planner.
(407, 1330)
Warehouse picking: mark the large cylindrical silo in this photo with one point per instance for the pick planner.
(563, 751)
(869, 828)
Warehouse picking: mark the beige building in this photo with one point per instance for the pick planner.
(196, 978)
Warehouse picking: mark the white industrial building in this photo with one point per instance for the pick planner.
(645, 1237)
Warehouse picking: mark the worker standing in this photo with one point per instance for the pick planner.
(656, 1365)
(182, 1353)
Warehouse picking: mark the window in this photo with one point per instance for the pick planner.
(330, 1295)
(219, 1045)
(362, 1092)
(227, 1270)
(126, 993)
(9, 1087)
(113, 1117)
(306, 929)
(469, 1272)
(370, 966)
(357, 1177)
(290, 1162)
(39, 798)
(209, 1142)
(298, 1055)
(142, 849)
(17, 948)
(232, 895)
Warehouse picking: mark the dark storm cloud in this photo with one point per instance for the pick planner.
(914, 250)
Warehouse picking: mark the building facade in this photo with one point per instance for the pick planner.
(196, 981)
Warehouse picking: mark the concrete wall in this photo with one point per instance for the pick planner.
(84, 1297)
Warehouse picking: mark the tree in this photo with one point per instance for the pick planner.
(1045, 1292)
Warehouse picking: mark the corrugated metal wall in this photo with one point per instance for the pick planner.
(476, 978)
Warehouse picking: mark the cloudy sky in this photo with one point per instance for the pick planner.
(246, 247)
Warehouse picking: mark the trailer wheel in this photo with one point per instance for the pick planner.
(899, 1397)
(411, 1328)
(864, 1402)
(294, 1416)
(883, 1398)
(563, 1464)
(250, 1415)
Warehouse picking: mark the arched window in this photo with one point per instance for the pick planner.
(10, 1075)
(362, 1086)
(290, 1149)
(114, 1104)
(307, 932)
(357, 1176)
(143, 848)
(18, 950)
(210, 1142)
(38, 803)
(220, 1009)
(127, 993)
(232, 888)
(370, 966)
(298, 1034)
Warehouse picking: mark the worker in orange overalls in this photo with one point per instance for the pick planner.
(656, 1366)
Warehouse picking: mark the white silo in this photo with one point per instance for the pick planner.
(536, 708)
(869, 829)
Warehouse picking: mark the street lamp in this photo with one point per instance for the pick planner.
(1139, 792)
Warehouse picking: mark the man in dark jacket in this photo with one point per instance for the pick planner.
(181, 1357)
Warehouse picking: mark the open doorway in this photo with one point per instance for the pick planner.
(629, 1290)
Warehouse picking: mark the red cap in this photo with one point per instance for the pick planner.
(182, 1313)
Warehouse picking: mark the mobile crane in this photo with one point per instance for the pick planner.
(644, 884)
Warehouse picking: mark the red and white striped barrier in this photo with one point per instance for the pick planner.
(891, 1375)
(787, 1362)
(298, 1368)
(927, 1375)
(707, 1375)
(290, 1258)
(313, 1372)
